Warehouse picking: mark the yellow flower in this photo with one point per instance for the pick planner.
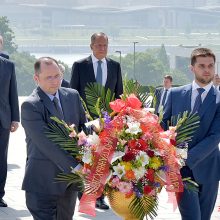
(127, 165)
(155, 162)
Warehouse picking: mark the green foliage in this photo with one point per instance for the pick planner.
(162, 56)
(186, 124)
(133, 87)
(58, 132)
(24, 69)
(98, 98)
(8, 35)
(141, 207)
(71, 178)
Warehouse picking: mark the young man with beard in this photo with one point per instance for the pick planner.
(203, 162)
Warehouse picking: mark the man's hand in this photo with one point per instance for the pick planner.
(14, 126)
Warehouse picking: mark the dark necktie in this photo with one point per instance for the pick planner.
(164, 97)
(99, 73)
(58, 108)
(198, 101)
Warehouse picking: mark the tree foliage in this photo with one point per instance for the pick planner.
(8, 35)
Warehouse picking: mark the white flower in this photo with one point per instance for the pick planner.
(139, 172)
(93, 139)
(87, 157)
(143, 157)
(182, 152)
(119, 170)
(117, 155)
(133, 128)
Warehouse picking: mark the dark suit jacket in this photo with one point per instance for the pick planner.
(4, 55)
(203, 155)
(157, 97)
(9, 109)
(45, 159)
(65, 84)
(83, 73)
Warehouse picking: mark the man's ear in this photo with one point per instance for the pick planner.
(35, 77)
(91, 46)
(191, 68)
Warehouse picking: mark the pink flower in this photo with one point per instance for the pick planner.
(115, 181)
(82, 138)
(125, 187)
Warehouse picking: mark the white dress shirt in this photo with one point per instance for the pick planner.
(103, 66)
(195, 86)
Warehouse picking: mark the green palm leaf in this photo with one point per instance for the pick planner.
(98, 98)
(58, 132)
(186, 124)
(71, 178)
(141, 207)
(133, 87)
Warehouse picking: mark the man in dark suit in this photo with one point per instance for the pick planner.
(9, 116)
(47, 199)
(203, 161)
(97, 68)
(1, 49)
(64, 82)
(85, 71)
(160, 94)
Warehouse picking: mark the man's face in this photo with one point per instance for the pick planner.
(49, 80)
(100, 47)
(167, 83)
(204, 70)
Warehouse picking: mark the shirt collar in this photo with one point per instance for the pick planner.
(196, 86)
(95, 60)
(52, 96)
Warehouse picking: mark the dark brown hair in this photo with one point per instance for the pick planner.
(201, 52)
(168, 77)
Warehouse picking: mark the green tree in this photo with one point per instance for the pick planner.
(162, 56)
(24, 69)
(8, 35)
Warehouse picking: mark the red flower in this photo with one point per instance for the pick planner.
(133, 102)
(173, 142)
(147, 189)
(132, 144)
(117, 105)
(150, 175)
(128, 156)
(150, 153)
(141, 145)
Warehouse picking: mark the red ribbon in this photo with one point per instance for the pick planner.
(96, 181)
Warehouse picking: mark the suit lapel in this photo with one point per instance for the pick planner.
(64, 103)
(187, 93)
(47, 102)
(208, 102)
(109, 76)
(90, 70)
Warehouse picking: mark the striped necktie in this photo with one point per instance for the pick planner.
(58, 108)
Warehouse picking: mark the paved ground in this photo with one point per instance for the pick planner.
(16, 201)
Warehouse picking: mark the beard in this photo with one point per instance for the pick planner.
(203, 80)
